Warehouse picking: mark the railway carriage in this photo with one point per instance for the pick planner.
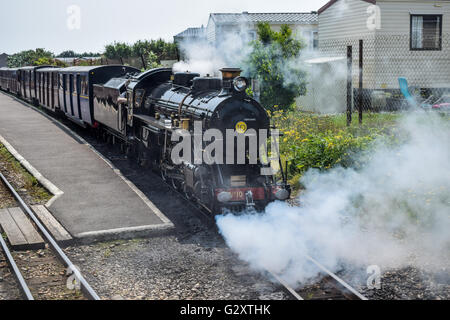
(27, 80)
(47, 86)
(3, 78)
(9, 79)
(76, 89)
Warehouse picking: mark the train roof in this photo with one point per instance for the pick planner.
(8, 69)
(49, 69)
(33, 67)
(91, 68)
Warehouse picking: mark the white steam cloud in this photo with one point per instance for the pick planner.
(393, 212)
(230, 50)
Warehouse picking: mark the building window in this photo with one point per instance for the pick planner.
(426, 32)
(315, 39)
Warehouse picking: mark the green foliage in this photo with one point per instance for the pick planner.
(271, 62)
(44, 61)
(30, 57)
(118, 50)
(38, 193)
(152, 60)
(68, 54)
(323, 142)
(73, 54)
(151, 51)
(88, 62)
(326, 149)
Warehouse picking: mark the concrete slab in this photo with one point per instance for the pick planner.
(51, 224)
(93, 199)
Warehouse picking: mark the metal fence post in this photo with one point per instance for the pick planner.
(360, 92)
(349, 84)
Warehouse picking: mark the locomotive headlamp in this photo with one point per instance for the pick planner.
(240, 84)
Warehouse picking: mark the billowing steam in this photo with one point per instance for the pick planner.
(231, 50)
(393, 212)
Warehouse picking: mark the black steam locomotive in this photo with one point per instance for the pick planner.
(145, 113)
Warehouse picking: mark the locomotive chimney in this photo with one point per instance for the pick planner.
(230, 73)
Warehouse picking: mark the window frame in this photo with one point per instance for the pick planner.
(439, 48)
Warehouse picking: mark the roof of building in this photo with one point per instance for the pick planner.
(192, 32)
(289, 18)
(330, 3)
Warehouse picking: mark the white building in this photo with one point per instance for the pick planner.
(220, 24)
(401, 38)
(191, 34)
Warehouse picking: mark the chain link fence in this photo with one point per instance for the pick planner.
(383, 60)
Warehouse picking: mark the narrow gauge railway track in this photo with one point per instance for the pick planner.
(331, 287)
(84, 285)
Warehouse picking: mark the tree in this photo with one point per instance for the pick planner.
(273, 62)
(73, 54)
(31, 58)
(152, 61)
(148, 51)
(68, 54)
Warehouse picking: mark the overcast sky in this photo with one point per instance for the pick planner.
(30, 24)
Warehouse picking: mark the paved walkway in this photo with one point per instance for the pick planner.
(96, 201)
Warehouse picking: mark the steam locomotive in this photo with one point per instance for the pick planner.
(144, 112)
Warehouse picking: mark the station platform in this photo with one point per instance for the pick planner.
(92, 200)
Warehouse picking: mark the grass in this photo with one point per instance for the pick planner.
(22, 177)
(370, 120)
(325, 141)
